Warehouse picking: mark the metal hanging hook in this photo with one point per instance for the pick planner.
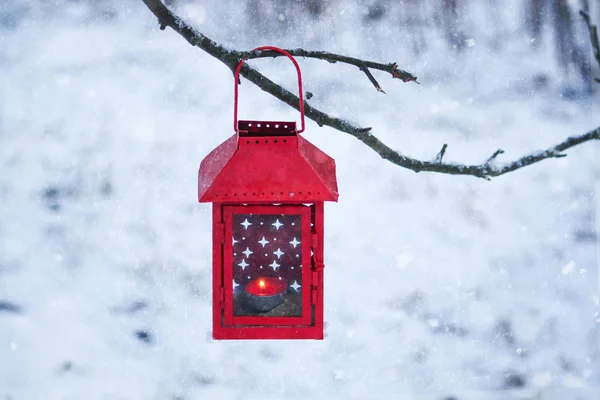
(236, 80)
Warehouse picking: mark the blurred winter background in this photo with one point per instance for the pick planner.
(437, 287)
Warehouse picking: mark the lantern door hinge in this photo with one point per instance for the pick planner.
(315, 284)
(220, 232)
(222, 297)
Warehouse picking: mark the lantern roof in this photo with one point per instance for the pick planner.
(267, 161)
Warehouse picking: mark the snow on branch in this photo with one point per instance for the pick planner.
(231, 58)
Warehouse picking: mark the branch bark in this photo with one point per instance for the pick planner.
(231, 58)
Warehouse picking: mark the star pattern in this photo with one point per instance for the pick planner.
(243, 264)
(277, 224)
(278, 253)
(274, 265)
(267, 245)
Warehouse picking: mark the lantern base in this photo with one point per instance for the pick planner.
(267, 332)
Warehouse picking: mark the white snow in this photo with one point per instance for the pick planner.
(568, 268)
(435, 285)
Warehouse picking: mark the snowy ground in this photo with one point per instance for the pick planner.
(436, 286)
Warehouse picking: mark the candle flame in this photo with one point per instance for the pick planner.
(261, 283)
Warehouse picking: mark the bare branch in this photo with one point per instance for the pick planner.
(195, 38)
(493, 157)
(372, 79)
(231, 58)
(363, 65)
(440, 155)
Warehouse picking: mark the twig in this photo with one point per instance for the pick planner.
(232, 57)
(372, 79)
(593, 30)
(440, 155)
(493, 157)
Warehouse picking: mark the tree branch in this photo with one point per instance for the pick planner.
(440, 155)
(493, 157)
(232, 57)
(372, 79)
(363, 65)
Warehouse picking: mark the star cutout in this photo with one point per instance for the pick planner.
(263, 241)
(247, 252)
(235, 284)
(233, 241)
(277, 224)
(246, 223)
(274, 265)
(295, 242)
(243, 264)
(278, 253)
(295, 286)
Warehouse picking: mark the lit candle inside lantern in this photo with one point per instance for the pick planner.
(266, 286)
(266, 293)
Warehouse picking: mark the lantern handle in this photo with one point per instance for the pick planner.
(237, 76)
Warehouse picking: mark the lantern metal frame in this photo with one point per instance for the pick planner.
(310, 324)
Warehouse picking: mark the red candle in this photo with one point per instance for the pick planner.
(266, 286)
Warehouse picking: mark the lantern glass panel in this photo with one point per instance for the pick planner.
(267, 264)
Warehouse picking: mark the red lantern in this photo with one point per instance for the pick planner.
(267, 185)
